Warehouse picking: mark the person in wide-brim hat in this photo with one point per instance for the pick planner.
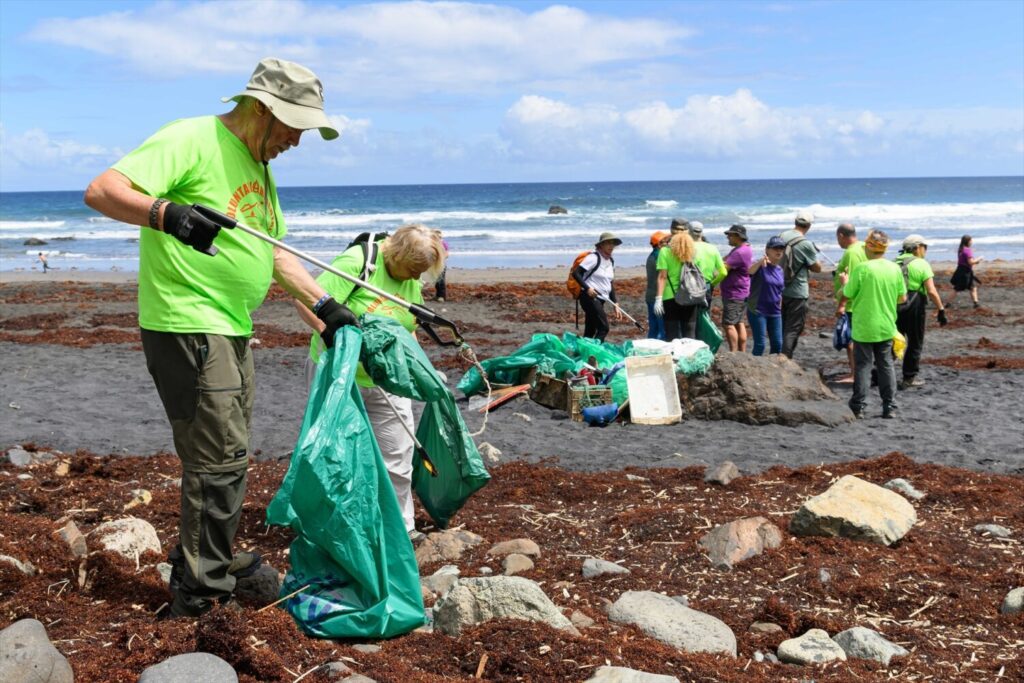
(292, 93)
(595, 275)
(608, 237)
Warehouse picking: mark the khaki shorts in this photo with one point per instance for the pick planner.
(205, 382)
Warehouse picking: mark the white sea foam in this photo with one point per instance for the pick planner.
(662, 203)
(16, 225)
(414, 217)
(895, 213)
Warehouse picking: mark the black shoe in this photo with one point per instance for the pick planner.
(857, 414)
(889, 414)
(910, 383)
(244, 565)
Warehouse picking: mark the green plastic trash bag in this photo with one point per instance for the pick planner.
(459, 469)
(395, 361)
(351, 551)
(707, 332)
(544, 351)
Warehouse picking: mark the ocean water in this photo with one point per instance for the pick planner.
(509, 225)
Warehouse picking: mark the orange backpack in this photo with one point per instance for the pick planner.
(571, 284)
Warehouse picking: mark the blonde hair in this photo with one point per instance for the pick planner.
(682, 247)
(417, 247)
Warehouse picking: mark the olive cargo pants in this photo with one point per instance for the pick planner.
(205, 382)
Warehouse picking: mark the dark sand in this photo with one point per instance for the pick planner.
(81, 382)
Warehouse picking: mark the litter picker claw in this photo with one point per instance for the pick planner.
(426, 318)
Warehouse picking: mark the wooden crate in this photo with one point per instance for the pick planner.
(551, 392)
(585, 397)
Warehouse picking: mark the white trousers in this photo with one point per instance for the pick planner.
(396, 446)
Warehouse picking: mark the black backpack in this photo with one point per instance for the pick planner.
(789, 269)
(370, 247)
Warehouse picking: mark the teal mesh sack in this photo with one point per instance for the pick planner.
(707, 331)
(351, 554)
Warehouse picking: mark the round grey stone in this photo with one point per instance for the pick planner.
(189, 668)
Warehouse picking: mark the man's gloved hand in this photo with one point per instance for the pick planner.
(334, 316)
(659, 307)
(184, 223)
(943, 320)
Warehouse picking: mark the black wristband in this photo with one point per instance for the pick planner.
(154, 212)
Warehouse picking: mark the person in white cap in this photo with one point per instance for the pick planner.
(799, 259)
(596, 277)
(198, 288)
(911, 316)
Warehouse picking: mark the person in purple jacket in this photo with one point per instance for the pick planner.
(764, 305)
(736, 287)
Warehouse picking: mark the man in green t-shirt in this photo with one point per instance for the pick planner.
(910, 321)
(802, 258)
(853, 256)
(876, 288)
(198, 288)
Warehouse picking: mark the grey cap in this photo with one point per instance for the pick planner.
(696, 229)
(679, 224)
(293, 94)
(805, 217)
(913, 242)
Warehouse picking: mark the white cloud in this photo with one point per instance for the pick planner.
(35, 148)
(371, 48)
(741, 128)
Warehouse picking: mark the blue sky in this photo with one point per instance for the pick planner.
(532, 91)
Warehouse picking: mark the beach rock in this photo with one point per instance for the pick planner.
(358, 678)
(855, 509)
(477, 600)
(261, 588)
(164, 569)
(552, 210)
(620, 674)
(336, 670)
(74, 539)
(516, 564)
(366, 648)
(189, 668)
(523, 546)
(445, 546)
(824, 576)
(764, 627)
(129, 537)
(634, 477)
(34, 242)
(486, 571)
(863, 643)
(904, 487)
(739, 540)
(19, 457)
(25, 567)
(593, 566)
(993, 530)
(664, 619)
(722, 473)
(28, 656)
(580, 620)
(488, 451)
(441, 581)
(559, 415)
(813, 647)
(1013, 603)
(761, 390)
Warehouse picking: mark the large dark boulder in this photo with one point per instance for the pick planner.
(555, 208)
(34, 242)
(760, 390)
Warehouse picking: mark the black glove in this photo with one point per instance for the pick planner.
(943, 320)
(334, 316)
(187, 225)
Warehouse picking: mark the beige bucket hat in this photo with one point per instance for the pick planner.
(293, 93)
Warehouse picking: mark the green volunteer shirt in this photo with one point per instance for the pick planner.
(709, 260)
(853, 256)
(364, 301)
(919, 271)
(672, 266)
(199, 161)
(805, 255)
(876, 287)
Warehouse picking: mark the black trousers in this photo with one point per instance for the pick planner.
(596, 325)
(680, 321)
(794, 313)
(911, 324)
